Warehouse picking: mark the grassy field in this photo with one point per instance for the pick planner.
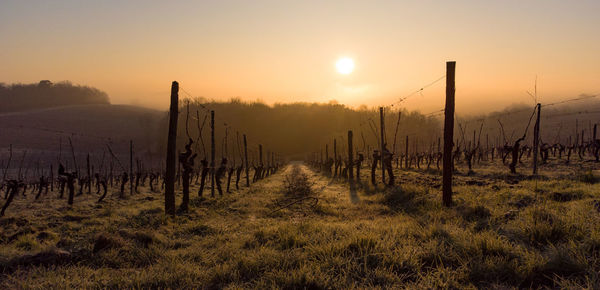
(300, 230)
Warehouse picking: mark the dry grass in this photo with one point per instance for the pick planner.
(533, 233)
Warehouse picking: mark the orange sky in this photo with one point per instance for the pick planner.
(285, 51)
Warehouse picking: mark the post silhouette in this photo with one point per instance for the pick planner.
(51, 178)
(171, 148)
(396, 131)
(536, 139)
(212, 153)
(350, 157)
(335, 167)
(246, 162)
(382, 129)
(260, 154)
(131, 167)
(448, 134)
(89, 174)
(72, 154)
(406, 154)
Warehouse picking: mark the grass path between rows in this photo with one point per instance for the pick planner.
(499, 234)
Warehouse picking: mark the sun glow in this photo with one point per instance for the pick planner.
(345, 65)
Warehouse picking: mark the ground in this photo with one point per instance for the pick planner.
(300, 229)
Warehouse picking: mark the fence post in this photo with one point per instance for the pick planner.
(260, 155)
(382, 129)
(335, 168)
(171, 148)
(406, 154)
(212, 153)
(89, 174)
(448, 134)
(51, 178)
(72, 154)
(350, 157)
(396, 131)
(536, 139)
(246, 162)
(131, 167)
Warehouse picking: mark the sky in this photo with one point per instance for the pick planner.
(285, 51)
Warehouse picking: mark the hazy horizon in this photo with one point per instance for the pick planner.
(280, 52)
(277, 144)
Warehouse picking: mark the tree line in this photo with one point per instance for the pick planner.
(291, 129)
(45, 94)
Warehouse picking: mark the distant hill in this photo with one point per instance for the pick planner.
(560, 122)
(45, 94)
(45, 133)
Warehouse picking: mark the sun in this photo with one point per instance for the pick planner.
(345, 65)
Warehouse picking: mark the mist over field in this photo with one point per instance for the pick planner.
(269, 144)
(44, 113)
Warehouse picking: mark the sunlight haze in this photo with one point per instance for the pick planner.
(285, 51)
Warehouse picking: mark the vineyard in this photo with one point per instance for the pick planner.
(376, 198)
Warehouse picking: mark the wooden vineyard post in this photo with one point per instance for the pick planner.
(73, 155)
(260, 158)
(350, 158)
(212, 153)
(536, 139)
(51, 178)
(396, 131)
(576, 133)
(596, 148)
(171, 148)
(89, 174)
(406, 154)
(246, 162)
(8, 163)
(416, 152)
(131, 167)
(260, 162)
(448, 134)
(335, 168)
(381, 153)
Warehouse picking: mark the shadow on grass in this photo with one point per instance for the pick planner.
(408, 199)
(353, 193)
